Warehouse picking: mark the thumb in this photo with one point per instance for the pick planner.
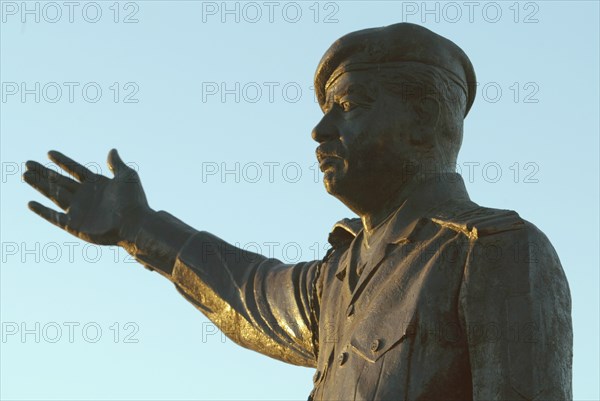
(115, 163)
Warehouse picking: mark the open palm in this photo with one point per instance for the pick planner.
(97, 209)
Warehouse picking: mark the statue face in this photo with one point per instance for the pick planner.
(364, 140)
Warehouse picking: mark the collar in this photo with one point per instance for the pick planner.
(426, 200)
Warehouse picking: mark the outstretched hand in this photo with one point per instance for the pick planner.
(97, 209)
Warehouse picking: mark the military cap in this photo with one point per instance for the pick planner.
(387, 47)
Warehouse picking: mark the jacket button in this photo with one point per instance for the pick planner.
(342, 358)
(317, 376)
(375, 345)
(351, 310)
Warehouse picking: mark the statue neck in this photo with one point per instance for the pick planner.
(375, 216)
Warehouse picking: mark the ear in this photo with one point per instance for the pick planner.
(427, 113)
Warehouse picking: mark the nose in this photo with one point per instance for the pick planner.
(325, 130)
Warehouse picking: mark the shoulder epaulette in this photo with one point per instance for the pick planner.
(344, 231)
(481, 221)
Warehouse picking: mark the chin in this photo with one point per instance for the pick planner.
(334, 182)
(329, 185)
(331, 182)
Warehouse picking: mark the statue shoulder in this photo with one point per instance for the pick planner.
(476, 221)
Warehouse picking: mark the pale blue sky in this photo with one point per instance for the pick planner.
(535, 121)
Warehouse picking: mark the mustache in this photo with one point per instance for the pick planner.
(329, 149)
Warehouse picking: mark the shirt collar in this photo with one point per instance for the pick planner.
(426, 200)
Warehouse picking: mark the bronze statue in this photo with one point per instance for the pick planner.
(427, 296)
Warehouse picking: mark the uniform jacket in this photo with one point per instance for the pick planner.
(452, 302)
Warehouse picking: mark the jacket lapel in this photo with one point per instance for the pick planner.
(397, 235)
(399, 230)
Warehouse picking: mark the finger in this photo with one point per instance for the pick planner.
(72, 167)
(121, 171)
(54, 217)
(44, 173)
(56, 193)
(115, 163)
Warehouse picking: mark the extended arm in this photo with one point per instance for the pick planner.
(260, 303)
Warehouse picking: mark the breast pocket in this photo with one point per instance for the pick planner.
(372, 341)
(385, 347)
(389, 320)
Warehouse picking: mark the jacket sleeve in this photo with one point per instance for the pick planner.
(258, 302)
(515, 305)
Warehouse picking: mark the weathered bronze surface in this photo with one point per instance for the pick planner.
(427, 296)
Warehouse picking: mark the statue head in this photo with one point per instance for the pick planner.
(394, 100)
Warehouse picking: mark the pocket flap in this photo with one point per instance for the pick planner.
(372, 342)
